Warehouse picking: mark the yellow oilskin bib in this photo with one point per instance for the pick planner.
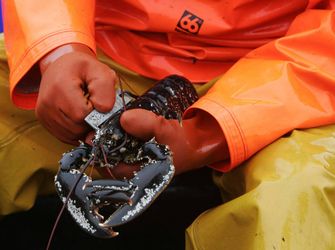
(282, 198)
(28, 153)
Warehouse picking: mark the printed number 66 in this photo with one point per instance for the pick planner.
(191, 25)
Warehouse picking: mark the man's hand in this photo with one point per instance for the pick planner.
(195, 144)
(73, 83)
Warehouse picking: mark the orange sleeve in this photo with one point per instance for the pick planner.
(35, 27)
(286, 84)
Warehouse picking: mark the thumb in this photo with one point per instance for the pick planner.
(140, 123)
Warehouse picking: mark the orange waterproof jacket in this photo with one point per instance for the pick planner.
(281, 52)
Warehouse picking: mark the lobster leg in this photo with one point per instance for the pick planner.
(148, 183)
(84, 199)
(117, 201)
(127, 198)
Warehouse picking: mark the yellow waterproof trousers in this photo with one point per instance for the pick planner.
(282, 198)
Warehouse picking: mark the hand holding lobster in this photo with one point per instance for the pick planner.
(129, 136)
(194, 143)
(73, 83)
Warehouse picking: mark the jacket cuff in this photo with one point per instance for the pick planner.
(32, 55)
(230, 128)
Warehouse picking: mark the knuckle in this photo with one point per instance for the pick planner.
(78, 116)
(112, 73)
(107, 71)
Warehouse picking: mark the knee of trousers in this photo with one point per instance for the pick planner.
(282, 198)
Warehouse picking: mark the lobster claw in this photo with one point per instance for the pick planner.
(117, 201)
(148, 183)
(76, 197)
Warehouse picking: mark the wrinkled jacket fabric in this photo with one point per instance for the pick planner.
(275, 59)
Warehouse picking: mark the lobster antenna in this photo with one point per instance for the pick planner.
(122, 93)
(106, 161)
(67, 199)
(132, 90)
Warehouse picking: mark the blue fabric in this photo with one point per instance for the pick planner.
(1, 24)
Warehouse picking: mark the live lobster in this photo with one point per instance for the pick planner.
(100, 205)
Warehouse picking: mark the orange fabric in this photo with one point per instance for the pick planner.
(155, 38)
(34, 28)
(284, 80)
(287, 84)
(197, 39)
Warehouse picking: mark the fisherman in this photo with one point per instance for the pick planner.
(265, 73)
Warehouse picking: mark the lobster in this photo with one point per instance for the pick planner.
(100, 205)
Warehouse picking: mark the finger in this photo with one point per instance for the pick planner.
(101, 87)
(60, 125)
(119, 172)
(61, 134)
(141, 123)
(79, 130)
(89, 137)
(123, 170)
(74, 105)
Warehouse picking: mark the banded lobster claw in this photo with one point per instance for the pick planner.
(99, 205)
(123, 200)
